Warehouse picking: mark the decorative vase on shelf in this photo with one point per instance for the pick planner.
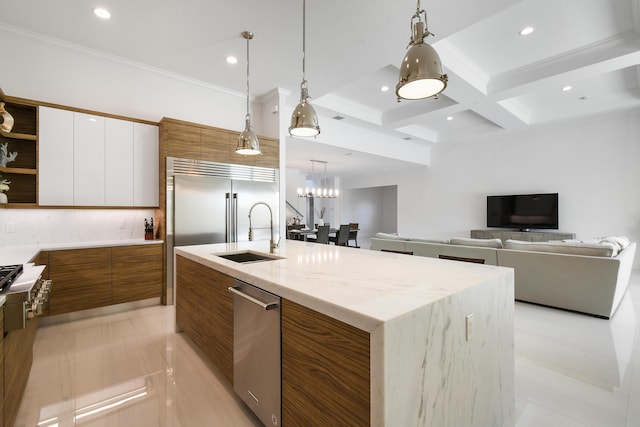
(3, 198)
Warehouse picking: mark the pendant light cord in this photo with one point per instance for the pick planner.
(248, 77)
(304, 32)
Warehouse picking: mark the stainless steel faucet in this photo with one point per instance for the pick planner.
(272, 244)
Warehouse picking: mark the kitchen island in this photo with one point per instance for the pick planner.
(368, 338)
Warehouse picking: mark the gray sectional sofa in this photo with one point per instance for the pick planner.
(584, 276)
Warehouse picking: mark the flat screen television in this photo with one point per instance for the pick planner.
(523, 211)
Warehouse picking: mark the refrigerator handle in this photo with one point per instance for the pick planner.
(227, 220)
(235, 217)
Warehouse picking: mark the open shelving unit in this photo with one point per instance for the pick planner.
(23, 171)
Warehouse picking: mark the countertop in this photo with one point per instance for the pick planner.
(23, 254)
(360, 287)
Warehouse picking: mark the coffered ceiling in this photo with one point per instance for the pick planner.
(498, 79)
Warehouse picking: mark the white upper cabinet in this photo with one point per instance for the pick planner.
(145, 165)
(55, 168)
(88, 160)
(91, 160)
(119, 162)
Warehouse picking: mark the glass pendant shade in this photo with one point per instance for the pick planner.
(248, 144)
(421, 70)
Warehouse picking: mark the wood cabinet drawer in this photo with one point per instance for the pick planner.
(204, 311)
(136, 273)
(97, 277)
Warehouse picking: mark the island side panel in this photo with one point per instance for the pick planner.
(204, 311)
(434, 376)
(325, 370)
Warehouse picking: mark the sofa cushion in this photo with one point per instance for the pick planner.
(389, 236)
(421, 240)
(621, 241)
(603, 249)
(485, 243)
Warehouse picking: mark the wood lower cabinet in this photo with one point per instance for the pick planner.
(98, 277)
(136, 273)
(18, 358)
(81, 279)
(325, 370)
(204, 311)
(1, 366)
(325, 362)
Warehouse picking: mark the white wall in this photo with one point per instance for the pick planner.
(374, 209)
(591, 163)
(48, 70)
(37, 226)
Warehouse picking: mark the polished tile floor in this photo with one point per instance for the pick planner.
(131, 369)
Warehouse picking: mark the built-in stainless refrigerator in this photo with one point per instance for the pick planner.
(209, 202)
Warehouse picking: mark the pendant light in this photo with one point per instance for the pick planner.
(304, 120)
(248, 141)
(320, 188)
(421, 70)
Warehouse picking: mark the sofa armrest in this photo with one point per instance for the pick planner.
(588, 284)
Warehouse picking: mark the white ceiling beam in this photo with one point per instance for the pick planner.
(603, 57)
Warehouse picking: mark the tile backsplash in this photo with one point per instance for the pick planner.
(35, 226)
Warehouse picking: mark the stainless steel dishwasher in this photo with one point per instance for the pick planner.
(256, 350)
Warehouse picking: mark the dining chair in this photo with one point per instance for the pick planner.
(342, 236)
(322, 236)
(353, 233)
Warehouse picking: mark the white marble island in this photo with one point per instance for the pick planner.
(423, 369)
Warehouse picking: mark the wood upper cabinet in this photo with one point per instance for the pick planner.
(215, 144)
(136, 273)
(181, 139)
(204, 311)
(199, 142)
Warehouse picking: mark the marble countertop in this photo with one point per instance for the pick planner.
(22, 254)
(360, 287)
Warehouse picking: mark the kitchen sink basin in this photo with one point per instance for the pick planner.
(247, 257)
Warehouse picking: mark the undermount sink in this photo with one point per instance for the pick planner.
(247, 256)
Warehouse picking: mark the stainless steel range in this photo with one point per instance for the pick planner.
(26, 293)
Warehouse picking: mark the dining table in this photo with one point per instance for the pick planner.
(306, 232)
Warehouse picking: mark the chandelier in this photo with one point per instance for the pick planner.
(319, 186)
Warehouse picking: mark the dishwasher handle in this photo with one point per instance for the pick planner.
(266, 305)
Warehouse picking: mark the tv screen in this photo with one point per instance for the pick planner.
(523, 211)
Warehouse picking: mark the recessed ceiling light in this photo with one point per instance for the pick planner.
(231, 59)
(526, 31)
(567, 88)
(338, 117)
(407, 138)
(384, 88)
(450, 118)
(101, 12)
